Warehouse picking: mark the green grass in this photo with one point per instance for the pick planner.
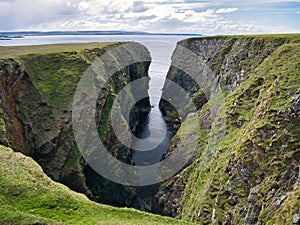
(267, 90)
(289, 37)
(56, 69)
(28, 196)
(55, 75)
(17, 51)
(103, 128)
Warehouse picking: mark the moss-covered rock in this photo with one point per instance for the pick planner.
(37, 89)
(252, 178)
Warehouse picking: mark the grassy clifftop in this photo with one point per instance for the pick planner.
(18, 51)
(253, 177)
(55, 70)
(28, 196)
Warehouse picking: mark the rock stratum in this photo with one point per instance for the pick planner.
(37, 88)
(251, 175)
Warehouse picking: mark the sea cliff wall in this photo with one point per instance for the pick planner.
(252, 176)
(36, 97)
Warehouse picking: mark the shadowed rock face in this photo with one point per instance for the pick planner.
(36, 116)
(252, 178)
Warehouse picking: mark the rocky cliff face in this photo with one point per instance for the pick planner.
(252, 176)
(36, 109)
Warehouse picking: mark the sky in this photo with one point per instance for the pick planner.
(177, 16)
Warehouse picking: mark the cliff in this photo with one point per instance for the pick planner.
(251, 174)
(37, 86)
(244, 145)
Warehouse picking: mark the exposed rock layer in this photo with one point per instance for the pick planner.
(36, 112)
(253, 176)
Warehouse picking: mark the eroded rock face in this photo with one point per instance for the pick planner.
(36, 116)
(253, 176)
(167, 200)
(228, 60)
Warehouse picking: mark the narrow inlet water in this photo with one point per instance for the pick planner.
(153, 127)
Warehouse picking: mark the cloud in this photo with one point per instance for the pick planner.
(205, 16)
(139, 6)
(226, 10)
(20, 14)
(95, 7)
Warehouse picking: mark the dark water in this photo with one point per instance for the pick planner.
(154, 128)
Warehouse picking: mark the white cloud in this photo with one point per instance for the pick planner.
(95, 7)
(206, 17)
(19, 14)
(226, 10)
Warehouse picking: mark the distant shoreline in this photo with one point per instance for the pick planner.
(22, 34)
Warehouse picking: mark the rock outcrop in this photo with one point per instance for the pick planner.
(36, 115)
(252, 176)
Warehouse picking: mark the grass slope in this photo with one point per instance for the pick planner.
(267, 144)
(17, 51)
(28, 196)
